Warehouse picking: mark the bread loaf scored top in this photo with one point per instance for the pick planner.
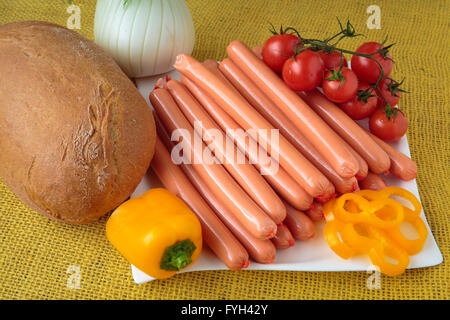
(76, 136)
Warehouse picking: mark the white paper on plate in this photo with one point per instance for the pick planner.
(311, 255)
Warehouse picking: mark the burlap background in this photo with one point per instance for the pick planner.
(35, 252)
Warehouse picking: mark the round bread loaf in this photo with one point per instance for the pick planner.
(76, 136)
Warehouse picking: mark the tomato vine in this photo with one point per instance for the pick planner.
(349, 31)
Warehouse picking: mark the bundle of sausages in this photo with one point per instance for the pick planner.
(320, 152)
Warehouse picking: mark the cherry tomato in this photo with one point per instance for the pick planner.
(332, 59)
(356, 108)
(277, 49)
(388, 129)
(368, 70)
(391, 97)
(340, 90)
(305, 72)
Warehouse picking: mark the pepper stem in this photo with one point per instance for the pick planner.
(178, 256)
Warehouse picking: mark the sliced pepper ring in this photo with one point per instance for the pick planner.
(387, 248)
(387, 208)
(369, 195)
(355, 239)
(331, 231)
(378, 256)
(405, 194)
(354, 208)
(356, 204)
(411, 246)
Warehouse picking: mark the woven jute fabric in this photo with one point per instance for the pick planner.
(39, 258)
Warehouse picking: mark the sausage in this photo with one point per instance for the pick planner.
(270, 112)
(401, 166)
(311, 179)
(218, 238)
(278, 119)
(312, 126)
(377, 160)
(283, 239)
(280, 180)
(213, 66)
(373, 181)
(220, 182)
(262, 105)
(261, 251)
(363, 166)
(244, 173)
(315, 213)
(300, 225)
(258, 51)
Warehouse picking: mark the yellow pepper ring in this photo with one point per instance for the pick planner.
(355, 239)
(411, 246)
(369, 195)
(331, 231)
(405, 194)
(378, 256)
(387, 248)
(358, 205)
(328, 210)
(360, 210)
(386, 208)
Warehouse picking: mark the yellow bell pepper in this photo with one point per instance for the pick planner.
(156, 232)
(367, 222)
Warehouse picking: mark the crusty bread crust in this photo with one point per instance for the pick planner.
(76, 136)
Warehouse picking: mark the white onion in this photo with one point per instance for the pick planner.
(144, 36)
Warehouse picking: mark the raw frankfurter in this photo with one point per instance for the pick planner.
(220, 182)
(261, 251)
(377, 160)
(300, 225)
(278, 119)
(315, 213)
(218, 238)
(258, 51)
(401, 166)
(280, 180)
(244, 173)
(363, 166)
(373, 181)
(312, 126)
(283, 239)
(311, 179)
(214, 67)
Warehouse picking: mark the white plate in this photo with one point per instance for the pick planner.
(311, 255)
